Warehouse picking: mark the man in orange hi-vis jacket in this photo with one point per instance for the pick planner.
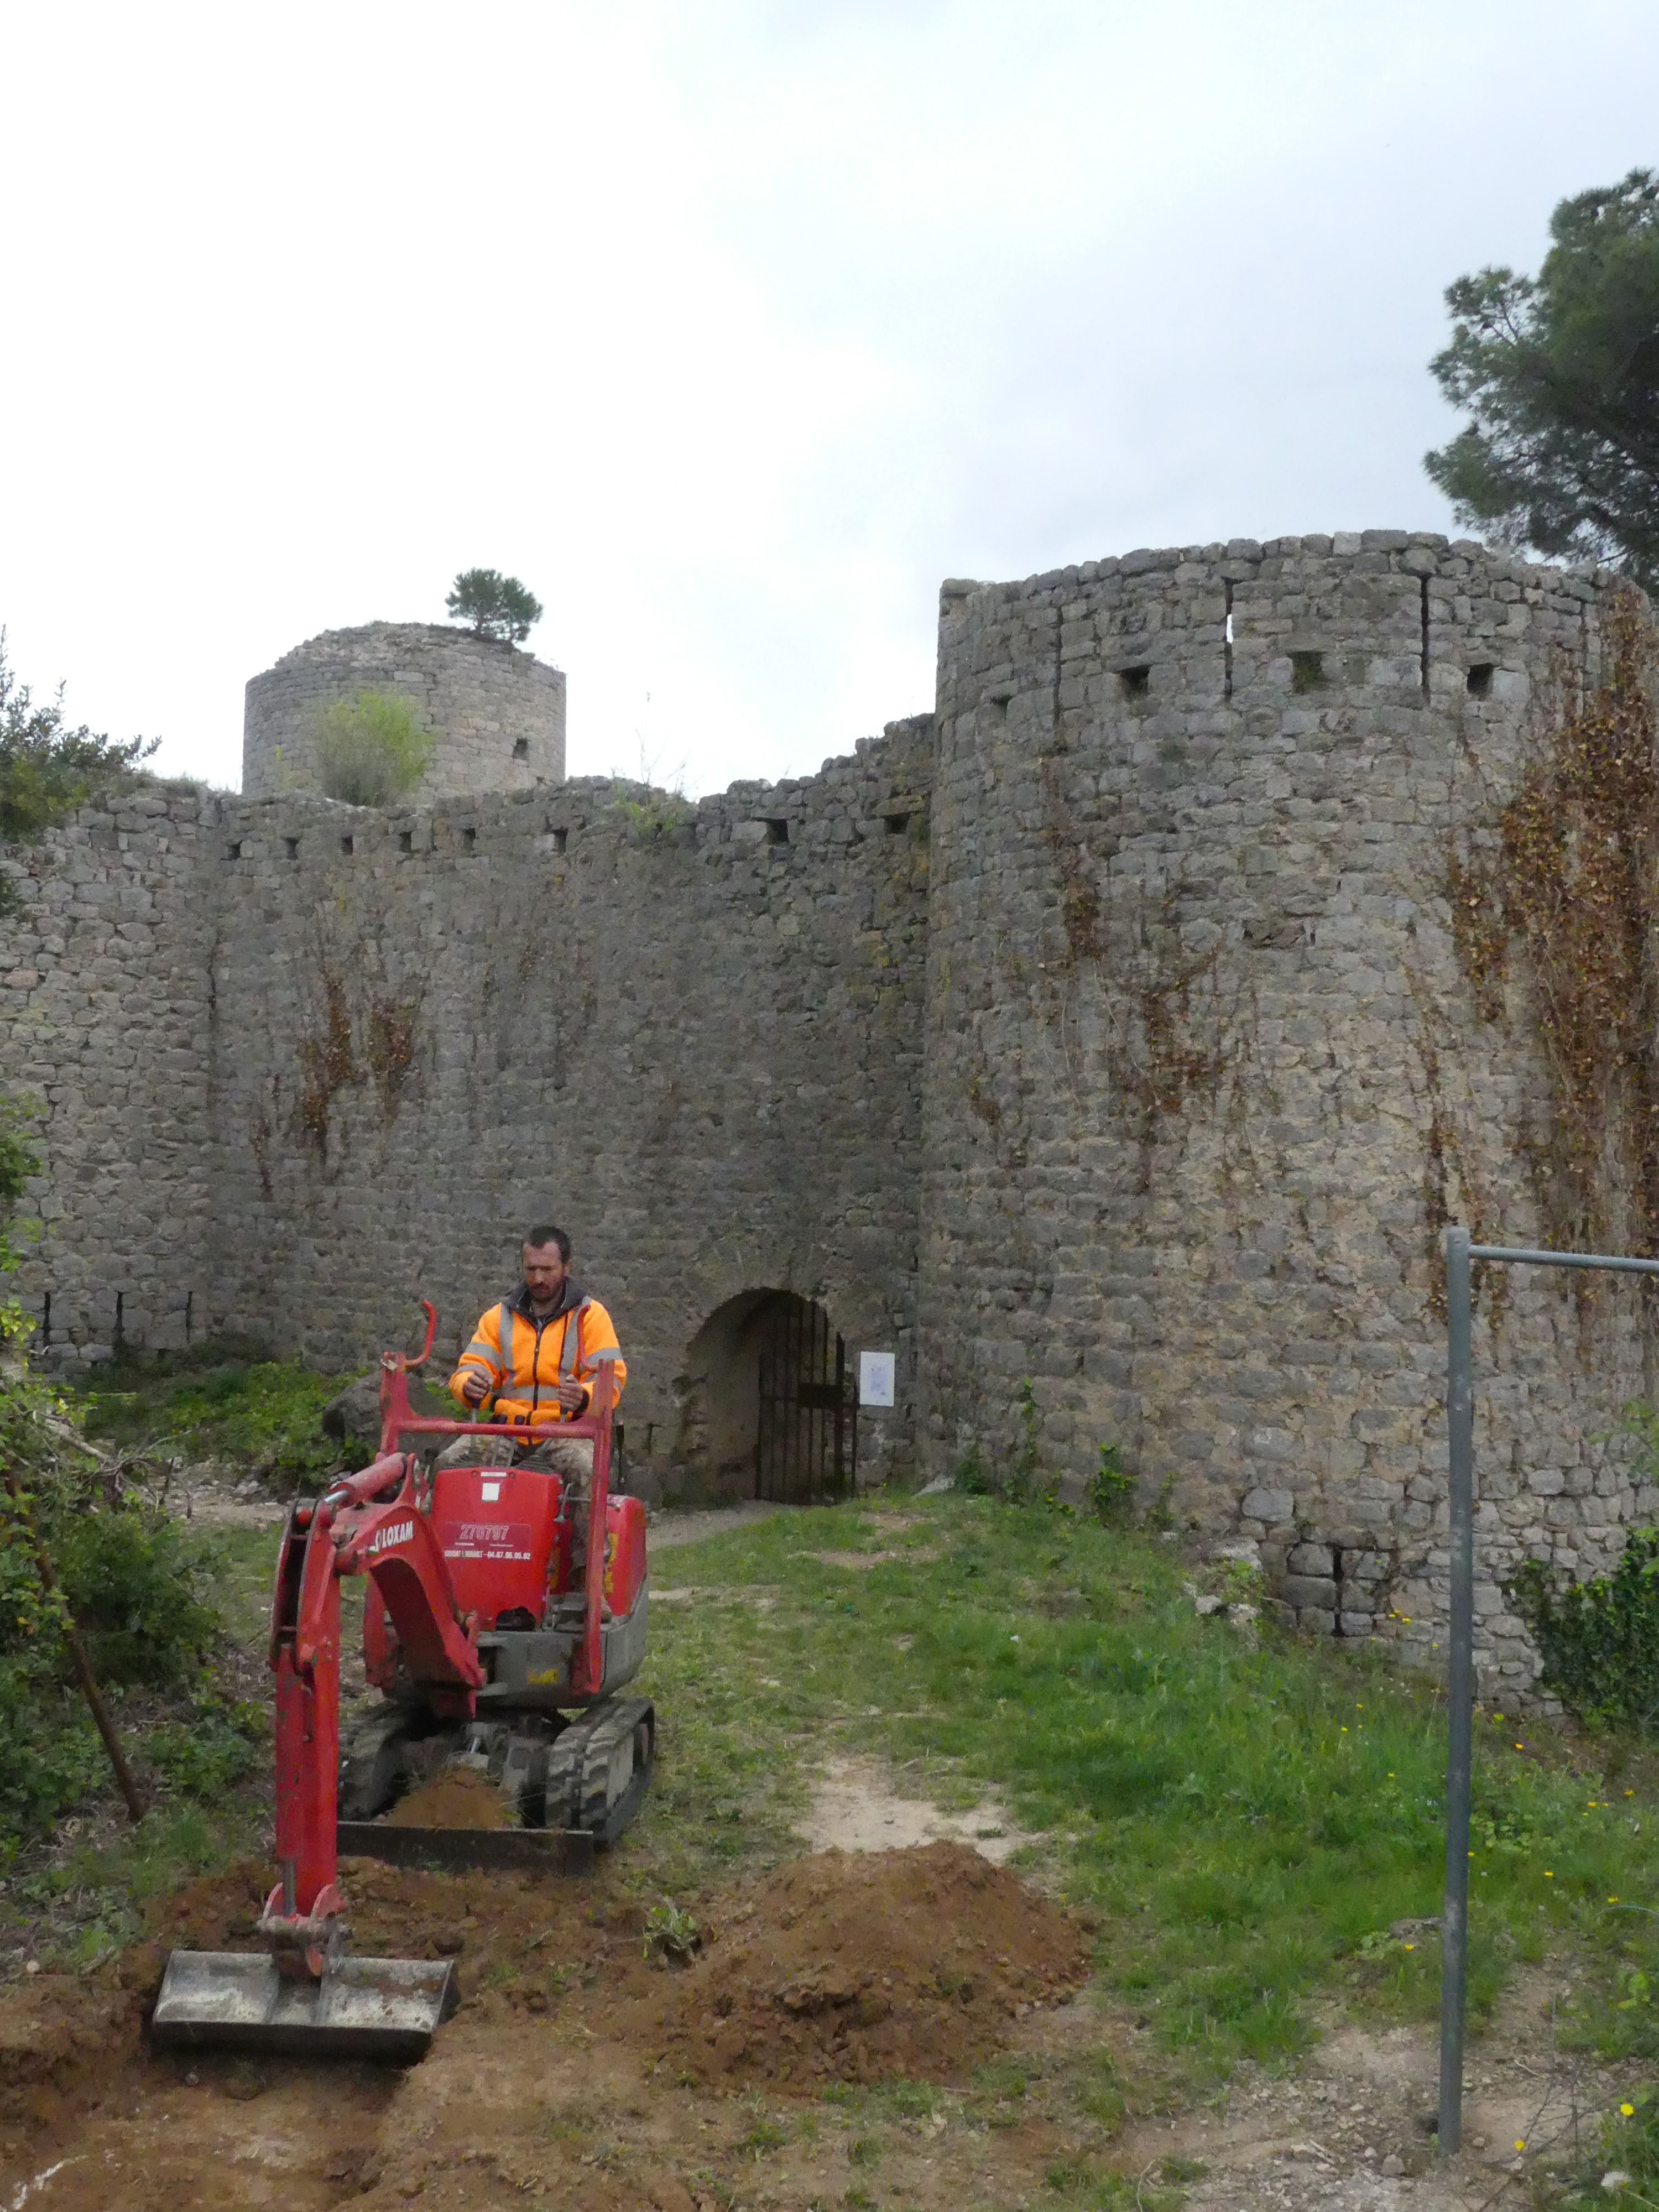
(537, 1353)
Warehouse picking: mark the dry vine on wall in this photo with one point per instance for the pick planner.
(361, 1033)
(1178, 1035)
(1569, 886)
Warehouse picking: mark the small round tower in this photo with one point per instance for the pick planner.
(496, 712)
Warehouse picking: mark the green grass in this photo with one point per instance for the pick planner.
(93, 1901)
(1249, 1824)
(222, 1400)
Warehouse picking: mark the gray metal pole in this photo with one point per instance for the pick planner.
(1460, 1686)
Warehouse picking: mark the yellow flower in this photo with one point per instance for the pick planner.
(1612, 1900)
(1629, 2111)
(1549, 1874)
(1519, 2144)
(1410, 1946)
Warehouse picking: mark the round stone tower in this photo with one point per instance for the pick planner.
(496, 712)
(1212, 1059)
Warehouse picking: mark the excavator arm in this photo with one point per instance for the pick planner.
(368, 1524)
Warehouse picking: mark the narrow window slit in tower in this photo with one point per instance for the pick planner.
(1227, 648)
(45, 1319)
(895, 824)
(1307, 671)
(777, 833)
(469, 839)
(405, 841)
(1423, 582)
(190, 1311)
(345, 845)
(521, 748)
(1135, 682)
(120, 1315)
(293, 845)
(234, 851)
(1480, 679)
(561, 838)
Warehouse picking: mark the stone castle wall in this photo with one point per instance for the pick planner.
(498, 713)
(1098, 1044)
(302, 1063)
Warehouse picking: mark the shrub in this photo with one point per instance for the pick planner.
(224, 1400)
(1112, 1488)
(17, 1161)
(50, 1755)
(1598, 1640)
(132, 1587)
(47, 769)
(369, 752)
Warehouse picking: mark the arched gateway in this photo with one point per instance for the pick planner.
(769, 1408)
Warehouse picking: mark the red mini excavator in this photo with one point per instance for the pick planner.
(491, 1655)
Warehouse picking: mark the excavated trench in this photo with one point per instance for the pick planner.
(577, 2071)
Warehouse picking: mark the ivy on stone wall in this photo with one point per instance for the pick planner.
(1564, 887)
(1178, 1031)
(1598, 1640)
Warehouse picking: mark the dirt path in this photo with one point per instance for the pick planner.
(1349, 2131)
(666, 1530)
(854, 1808)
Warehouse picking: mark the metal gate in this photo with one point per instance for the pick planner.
(806, 1439)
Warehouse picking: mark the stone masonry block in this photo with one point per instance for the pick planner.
(1308, 1589)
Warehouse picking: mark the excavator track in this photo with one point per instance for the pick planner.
(599, 1768)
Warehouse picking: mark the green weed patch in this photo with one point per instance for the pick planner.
(222, 1400)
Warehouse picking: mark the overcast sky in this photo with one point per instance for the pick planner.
(732, 326)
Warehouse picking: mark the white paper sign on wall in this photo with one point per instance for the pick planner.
(876, 1378)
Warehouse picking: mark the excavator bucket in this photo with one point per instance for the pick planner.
(379, 2009)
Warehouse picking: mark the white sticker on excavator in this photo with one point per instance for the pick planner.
(504, 1540)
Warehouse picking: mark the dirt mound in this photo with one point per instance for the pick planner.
(57, 2034)
(859, 1966)
(460, 1797)
(847, 1966)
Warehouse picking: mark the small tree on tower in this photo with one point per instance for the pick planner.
(497, 606)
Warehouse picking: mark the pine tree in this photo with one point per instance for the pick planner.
(1560, 373)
